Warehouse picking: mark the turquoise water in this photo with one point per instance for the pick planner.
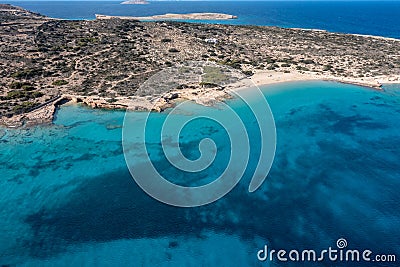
(68, 198)
(363, 17)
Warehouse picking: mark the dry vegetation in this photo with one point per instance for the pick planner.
(41, 58)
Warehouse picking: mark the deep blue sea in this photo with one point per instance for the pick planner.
(67, 198)
(381, 18)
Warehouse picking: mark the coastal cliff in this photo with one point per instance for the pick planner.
(106, 61)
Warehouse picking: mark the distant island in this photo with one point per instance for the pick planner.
(171, 16)
(135, 2)
(104, 63)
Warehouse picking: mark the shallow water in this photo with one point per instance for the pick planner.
(68, 198)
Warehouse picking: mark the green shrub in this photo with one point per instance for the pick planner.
(327, 67)
(208, 85)
(287, 60)
(112, 100)
(27, 73)
(27, 87)
(302, 68)
(20, 85)
(247, 72)
(182, 86)
(36, 94)
(234, 63)
(86, 40)
(60, 82)
(307, 61)
(23, 107)
(269, 60)
(272, 67)
(173, 50)
(15, 94)
(22, 94)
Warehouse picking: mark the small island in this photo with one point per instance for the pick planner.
(171, 16)
(135, 2)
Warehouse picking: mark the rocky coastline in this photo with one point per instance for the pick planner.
(119, 64)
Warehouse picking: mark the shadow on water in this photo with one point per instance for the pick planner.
(107, 207)
(319, 189)
(306, 205)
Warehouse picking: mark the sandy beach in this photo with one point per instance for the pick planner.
(271, 77)
(202, 96)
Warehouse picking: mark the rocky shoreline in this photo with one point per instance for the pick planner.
(207, 97)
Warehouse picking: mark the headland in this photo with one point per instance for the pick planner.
(106, 63)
